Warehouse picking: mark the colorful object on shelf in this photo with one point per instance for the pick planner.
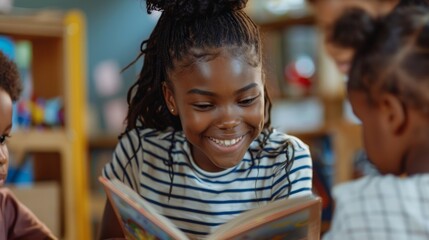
(21, 174)
(23, 52)
(23, 115)
(300, 72)
(7, 46)
(53, 112)
(39, 112)
(24, 55)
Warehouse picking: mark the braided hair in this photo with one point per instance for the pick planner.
(395, 58)
(183, 27)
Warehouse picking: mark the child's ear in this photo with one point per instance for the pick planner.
(169, 99)
(395, 114)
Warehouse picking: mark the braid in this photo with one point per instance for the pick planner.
(184, 27)
(287, 148)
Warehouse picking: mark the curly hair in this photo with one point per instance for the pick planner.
(9, 77)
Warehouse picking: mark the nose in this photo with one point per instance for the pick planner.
(228, 124)
(229, 118)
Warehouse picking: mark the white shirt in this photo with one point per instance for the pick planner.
(381, 208)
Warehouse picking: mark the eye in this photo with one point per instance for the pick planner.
(202, 106)
(248, 101)
(3, 139)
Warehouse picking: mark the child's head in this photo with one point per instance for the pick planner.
(388, 88)
(329, 12)
(202, 74)
(10, 88)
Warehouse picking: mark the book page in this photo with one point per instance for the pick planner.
(139, 220)
(295, 218)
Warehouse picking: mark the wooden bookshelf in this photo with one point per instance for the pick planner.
(58, 69)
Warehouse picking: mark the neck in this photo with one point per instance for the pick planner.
(417, 161)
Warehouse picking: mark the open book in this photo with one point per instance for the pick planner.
(295, 218)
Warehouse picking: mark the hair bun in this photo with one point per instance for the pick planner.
(194, 8)
(353, 28)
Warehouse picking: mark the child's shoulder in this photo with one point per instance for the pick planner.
(7, 198)
(5, 193)
(386, 185)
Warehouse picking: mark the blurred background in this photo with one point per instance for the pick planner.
(70, 55)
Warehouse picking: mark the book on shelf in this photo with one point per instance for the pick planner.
(292, 218)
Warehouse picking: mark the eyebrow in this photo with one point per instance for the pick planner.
(212, 94)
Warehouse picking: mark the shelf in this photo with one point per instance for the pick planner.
(105, 141)
(39, 140)
(287, 22)
(43, 23)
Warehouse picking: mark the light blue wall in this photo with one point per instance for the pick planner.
(115, 29)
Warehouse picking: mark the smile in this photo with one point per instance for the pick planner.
(226, 143)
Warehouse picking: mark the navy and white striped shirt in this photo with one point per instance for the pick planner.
(200, 201)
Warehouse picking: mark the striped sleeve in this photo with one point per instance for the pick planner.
(125, 162)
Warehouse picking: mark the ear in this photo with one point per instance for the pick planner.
(394, 113)
(169, 99)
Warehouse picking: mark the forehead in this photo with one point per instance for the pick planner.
(5, 110)
(217, 68)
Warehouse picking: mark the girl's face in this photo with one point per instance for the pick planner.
(381, 144)
(220, 103)
(5, 128)
(341, 56)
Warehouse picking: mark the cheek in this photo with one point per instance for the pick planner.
(4, 154)
(256, 115)
(195, 121)
(374, 144)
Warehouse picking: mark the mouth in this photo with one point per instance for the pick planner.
(226, 142)
(343, 66)
(2, 179)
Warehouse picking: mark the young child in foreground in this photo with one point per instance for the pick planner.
(16, 220)
(198, 143)
(388, 88)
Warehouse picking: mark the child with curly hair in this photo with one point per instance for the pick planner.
(16, 220)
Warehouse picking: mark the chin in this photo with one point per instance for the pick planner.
(225, 166)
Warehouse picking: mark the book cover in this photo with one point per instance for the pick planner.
(295, 218)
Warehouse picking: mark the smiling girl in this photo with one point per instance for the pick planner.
(198, 143)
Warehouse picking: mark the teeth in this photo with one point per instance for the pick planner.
(226, 143)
